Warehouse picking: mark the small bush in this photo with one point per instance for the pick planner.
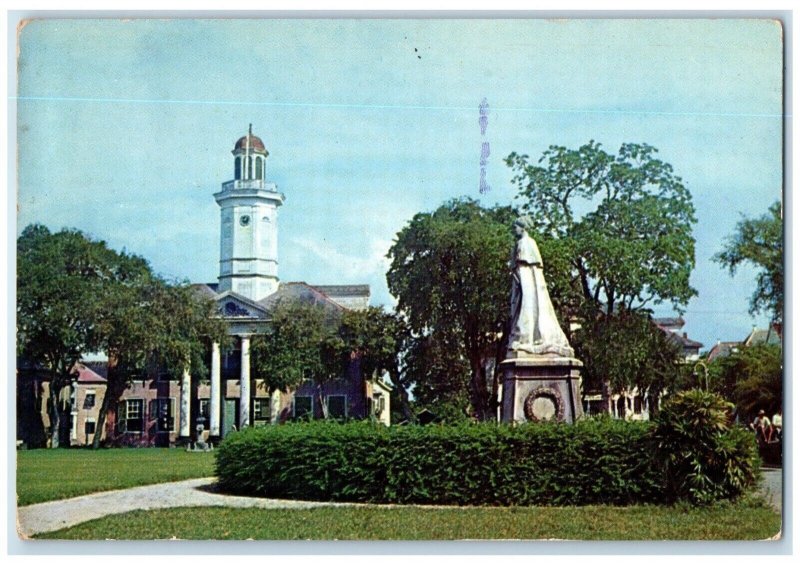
(592, 462)
(703, 458)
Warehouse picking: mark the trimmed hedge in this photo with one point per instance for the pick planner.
(596, 461)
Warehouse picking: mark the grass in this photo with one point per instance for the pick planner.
(52, 474)
(749, 519)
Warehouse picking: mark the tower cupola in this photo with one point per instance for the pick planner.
(250, 157)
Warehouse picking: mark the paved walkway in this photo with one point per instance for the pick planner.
(58, 514)
(772, 487)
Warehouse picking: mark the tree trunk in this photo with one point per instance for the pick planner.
(55, 417)
(322, 405)
(114, 390)
(477, 385)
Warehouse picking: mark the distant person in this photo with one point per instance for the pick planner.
(762, 426)
(777, 424)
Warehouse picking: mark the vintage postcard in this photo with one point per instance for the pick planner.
(399, 279)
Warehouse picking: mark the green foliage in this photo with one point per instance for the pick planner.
(77, 296)
(619, 230)
(635, 243)
(751, 378)
(302, 343)
(447, 275)
(378, 339)
(592, 462)
(704, 458)
(759, 242)
(626, 350)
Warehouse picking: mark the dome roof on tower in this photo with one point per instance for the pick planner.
(255, 143)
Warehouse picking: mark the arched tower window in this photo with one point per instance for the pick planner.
(249, 171)
(237, 172)
(259, 168)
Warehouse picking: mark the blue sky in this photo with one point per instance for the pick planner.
(125, 129)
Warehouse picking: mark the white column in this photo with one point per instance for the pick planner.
(186, 399)
(216, 383)
(244, 384)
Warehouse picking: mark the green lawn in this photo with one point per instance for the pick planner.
(50, 474)
(747, 520)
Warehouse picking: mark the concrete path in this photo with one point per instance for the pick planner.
(57, 514)
(772, 487)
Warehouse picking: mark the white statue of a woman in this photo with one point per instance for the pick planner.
(534, 327)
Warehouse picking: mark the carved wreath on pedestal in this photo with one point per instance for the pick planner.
(547, 393)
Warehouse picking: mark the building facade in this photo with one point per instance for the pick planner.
(160, 410)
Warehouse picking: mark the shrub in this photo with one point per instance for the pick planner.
(592, 462)
(703, 458)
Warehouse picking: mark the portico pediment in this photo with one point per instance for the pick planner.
(237, 307)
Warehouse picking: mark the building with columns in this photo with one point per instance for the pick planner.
(161, 411)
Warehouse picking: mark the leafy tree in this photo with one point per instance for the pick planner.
(155, 324)
(378, 339)
(626, 350)
(633, 245)
(751, 378)
(620, 227)
(759, 241)
(447, 272)
(303, 343)
(441, 374)
(61, 282)
(77, 296)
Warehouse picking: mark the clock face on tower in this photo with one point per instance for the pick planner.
(244, 220)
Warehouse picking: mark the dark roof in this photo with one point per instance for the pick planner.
(758, 336)
(723, 349)
(255, 144)
(682, 340)
(207, 290)
(87, 375)
(344, 289)
(672, 323)
(98, 367)
(299, 291)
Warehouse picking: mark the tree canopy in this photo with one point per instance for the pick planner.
(448, 274)
(76, 296)
(302, 344)
(623, 222)
(618, 229)
(759, 241)
(751, 378)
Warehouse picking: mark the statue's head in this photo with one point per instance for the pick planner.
(522, 225)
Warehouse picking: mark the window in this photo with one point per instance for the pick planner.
(303, 407)
(378, 404)
(237, 173)
(163, 410)
(337, 406)
(89, 427)
(204, 408)
(258, 167)
(261, 412)
(89, 400)
(131, 415)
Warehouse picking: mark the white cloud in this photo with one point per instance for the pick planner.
(342, 266)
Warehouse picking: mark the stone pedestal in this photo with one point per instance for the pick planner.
(541, 388)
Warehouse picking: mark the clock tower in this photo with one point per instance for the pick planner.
(249, 224)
